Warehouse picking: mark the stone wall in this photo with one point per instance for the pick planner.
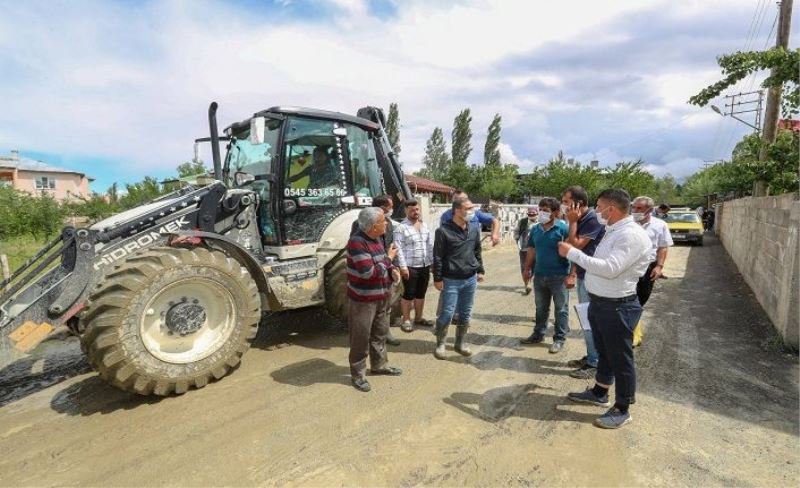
(761, 236)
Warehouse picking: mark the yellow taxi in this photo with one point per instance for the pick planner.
(685, 225)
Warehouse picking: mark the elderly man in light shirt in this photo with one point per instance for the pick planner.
(661, 238)
(612, 274)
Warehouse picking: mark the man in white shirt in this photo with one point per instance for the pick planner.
(612, 274)
(661, 238)
(415, 259)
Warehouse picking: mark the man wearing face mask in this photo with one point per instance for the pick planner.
(550, 273)
(585, 233)
(521, 235)
(385, 203)
(661, 239)
(612, 274)
(457, 270)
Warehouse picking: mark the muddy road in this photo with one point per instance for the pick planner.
(717, 405)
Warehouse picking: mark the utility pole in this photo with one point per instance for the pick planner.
(774, 93)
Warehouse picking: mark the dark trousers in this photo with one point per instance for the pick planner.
(645, 286)
(612, 329)
(369, 325)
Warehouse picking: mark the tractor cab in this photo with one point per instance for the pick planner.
(308, 167)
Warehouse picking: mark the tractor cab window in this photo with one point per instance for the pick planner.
(315, 178)
(367, 178)
(247, 166)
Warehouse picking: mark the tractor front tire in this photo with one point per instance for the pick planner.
(170, 319)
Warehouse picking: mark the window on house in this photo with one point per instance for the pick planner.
(45, 183)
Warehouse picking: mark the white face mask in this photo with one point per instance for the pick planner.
(531, 219)
(470, 215)
(387, 213)
(544, 217)
(600, 219)
(638, 216)
(564, 209)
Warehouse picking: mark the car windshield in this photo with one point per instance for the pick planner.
(689, 217)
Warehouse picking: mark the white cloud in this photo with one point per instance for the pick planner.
(133, 83)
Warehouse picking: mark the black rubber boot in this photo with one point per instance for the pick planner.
(441, 337)
(461, 333)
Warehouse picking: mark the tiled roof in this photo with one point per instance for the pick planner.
(416, 184)
(27, 164)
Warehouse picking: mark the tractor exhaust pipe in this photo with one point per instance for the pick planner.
(212, 126)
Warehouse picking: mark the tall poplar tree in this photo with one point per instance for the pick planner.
(491, 152)
(393, 128)
(462, 134)
(436, 163)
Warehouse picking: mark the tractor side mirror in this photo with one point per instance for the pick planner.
(340, 132)
(257, 130)
(241, 178)
(289, 207)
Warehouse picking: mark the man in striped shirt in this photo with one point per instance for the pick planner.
(369, 284)
(415, 242)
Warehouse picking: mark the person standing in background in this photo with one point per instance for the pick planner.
(521, 234)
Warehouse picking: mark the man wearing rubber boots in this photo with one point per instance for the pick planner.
(369, 287)
(611, 277)
(457, 269)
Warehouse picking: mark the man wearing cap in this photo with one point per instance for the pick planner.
(521, 236)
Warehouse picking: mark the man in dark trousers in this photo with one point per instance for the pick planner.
(385, 203)
(369, 287)
(457, 269)
(585, 233)
(611, 277)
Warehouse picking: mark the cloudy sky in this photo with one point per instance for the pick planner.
(120, 90)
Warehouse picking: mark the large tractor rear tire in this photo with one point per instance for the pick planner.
(171, 319)
(336, 301)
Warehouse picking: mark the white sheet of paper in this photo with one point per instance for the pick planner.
(582, 309)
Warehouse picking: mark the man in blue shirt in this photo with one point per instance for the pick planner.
(550, 273)
(585, 233)
(480, 218)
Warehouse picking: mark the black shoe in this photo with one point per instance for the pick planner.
(361, 384)
(577, 363)
(533, 339)
(388, 371)
(392, 341)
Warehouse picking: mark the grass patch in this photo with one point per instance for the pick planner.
(20, 248)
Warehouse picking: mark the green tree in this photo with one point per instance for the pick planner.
(191, 168)
(666, 189)
(785, 73)
(113, 193)
(462, 134)
(632, 177)
(491, 151)
(499, 182)
(393, 128)
(559, 174)
(436, 163)
(779, 169)
(140, 193)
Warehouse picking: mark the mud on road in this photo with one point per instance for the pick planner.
(716, 405)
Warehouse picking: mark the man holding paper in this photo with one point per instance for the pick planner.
(611, 278)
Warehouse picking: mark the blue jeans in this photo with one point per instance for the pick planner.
(545, 289)
(457, 294)
(591, 350)
(612, 327)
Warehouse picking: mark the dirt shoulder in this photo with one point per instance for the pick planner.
(715, 405)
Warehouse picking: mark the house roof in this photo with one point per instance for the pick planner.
(417, 183)
(26, 164)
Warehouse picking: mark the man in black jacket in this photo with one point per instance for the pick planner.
(457, 269)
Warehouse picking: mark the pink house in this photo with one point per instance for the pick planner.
(36, 177)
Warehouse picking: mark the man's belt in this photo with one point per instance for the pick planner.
(628, 298)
